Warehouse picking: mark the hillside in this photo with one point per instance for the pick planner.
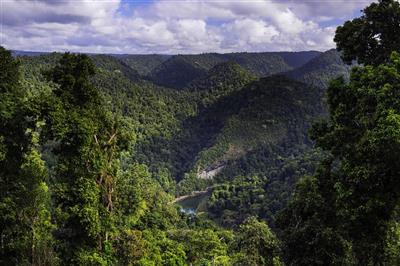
(221, 80)
(273, 110)
(198, 129)
(112, 64)
(266, 140)
(143, 64)
(179, 70)
(320, 70)
(297, 59)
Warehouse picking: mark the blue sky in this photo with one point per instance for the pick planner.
(173, 26)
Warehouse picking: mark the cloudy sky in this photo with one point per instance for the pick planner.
(173, 26)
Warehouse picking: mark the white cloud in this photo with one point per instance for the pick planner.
(248, 33)
(171, 26)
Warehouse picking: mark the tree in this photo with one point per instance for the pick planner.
(309, 224)
(371, 38)
(355, 195)
(392, 248)
(25, 225)
(90, 140)
(203, 246)
(255, 244)
(363, 135)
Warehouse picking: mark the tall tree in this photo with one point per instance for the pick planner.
(309, 223)
(255, 244)
(25, 227)
(363, 135)
(371, 38)
(89, 141)
(356, 194)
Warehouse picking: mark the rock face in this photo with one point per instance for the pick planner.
(209, 174)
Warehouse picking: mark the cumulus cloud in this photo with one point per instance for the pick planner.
(124, 26)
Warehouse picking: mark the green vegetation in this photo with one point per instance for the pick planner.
(143, 64)
(365, 142)
(113, 149)
(320, 70)
(108, 150)
(25, 220)
(72, 193)
(371, 38)
(178, 71)
(93, 152)
(347, 214)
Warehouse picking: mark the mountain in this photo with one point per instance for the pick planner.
(265, 64)
(110, 63)
(221, 80)
(178, 71)
(26, 53)
(297, 59)
(318, 71)
(143, 64)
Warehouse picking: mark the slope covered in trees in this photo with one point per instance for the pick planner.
(180, 70)
(143, 64)
(321, 69)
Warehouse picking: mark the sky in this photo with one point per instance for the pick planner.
(173, 26)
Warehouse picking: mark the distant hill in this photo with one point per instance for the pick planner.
(297, 59)
(179, 70)
(110, 63)
(221, 80)
(318, 71)
(27, 53)
(143, 64)
(260, 64)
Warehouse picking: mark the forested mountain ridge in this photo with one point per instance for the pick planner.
(143, 64)
(180, 70)
(321, 69)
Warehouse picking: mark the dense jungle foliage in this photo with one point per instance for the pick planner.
(291, 158)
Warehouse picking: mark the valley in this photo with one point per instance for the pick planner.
(226, 122)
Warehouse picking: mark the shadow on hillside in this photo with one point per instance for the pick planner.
(291, 103)
(200, 132)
